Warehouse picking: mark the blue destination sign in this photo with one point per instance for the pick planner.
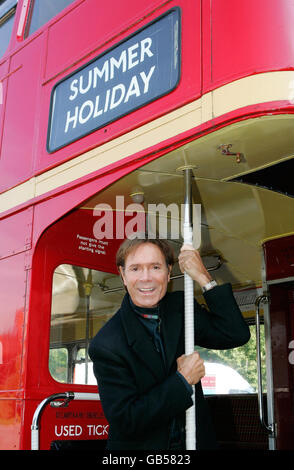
(137, 71)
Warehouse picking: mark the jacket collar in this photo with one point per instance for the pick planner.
(142, 343)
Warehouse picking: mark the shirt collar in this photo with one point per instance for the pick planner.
(151, 313)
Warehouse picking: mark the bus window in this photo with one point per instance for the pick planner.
(83, 300)
(83, 369)
(42, 11)
(7, 12)
(232, 371)
(58, 361)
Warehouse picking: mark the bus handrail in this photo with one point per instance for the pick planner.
(67, 397)
(270, 428)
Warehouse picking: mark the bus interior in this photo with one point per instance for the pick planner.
(237, 218)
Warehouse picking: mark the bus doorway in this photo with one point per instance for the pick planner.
(81, 288)
(82, 292)
(280, 281)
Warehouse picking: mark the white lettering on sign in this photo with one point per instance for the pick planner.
(128, 59)
(68, 430)
(92, 245)
(112, 98)
(75, 430)
(99, 430)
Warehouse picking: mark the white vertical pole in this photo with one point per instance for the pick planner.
(189, 307)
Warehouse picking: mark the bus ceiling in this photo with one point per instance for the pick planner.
(236, 218)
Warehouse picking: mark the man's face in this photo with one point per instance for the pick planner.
(146, 275)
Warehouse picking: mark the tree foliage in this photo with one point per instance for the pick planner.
(242, 359)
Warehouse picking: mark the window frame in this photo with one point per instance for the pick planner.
(72, 346)
(28, 21)
(251, 322)
(7, 11)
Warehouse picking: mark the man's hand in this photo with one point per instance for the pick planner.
(190, 262)
(191, 367)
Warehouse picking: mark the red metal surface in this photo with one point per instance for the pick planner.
(279, 255)
(217, 47)
(281, 314)
(246, 37)
(13, 323)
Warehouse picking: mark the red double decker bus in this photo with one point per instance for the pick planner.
(102, 105)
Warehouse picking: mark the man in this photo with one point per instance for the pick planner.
(143, 376)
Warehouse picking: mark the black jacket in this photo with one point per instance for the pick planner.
(139, 395)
